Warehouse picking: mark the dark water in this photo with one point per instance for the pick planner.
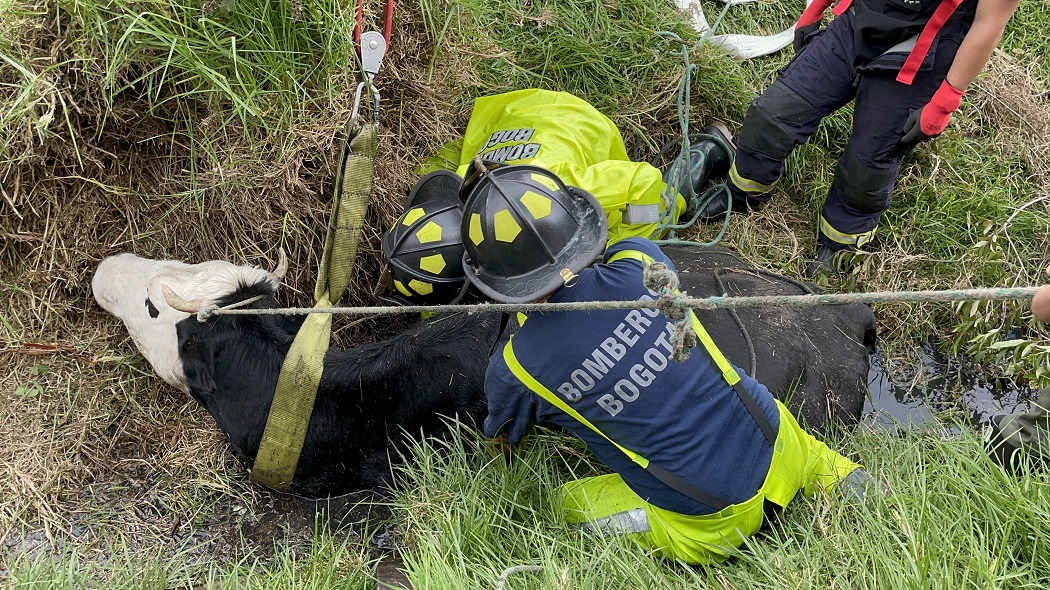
(929, 388)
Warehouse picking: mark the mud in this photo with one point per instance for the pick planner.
(225, 529)
(929, 388)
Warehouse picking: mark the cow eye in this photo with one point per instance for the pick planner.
(152, 309)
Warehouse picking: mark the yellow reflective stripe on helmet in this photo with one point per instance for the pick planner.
(505, 227)
(843, 237)
(539, 389)
(748, 185)
(728, 372)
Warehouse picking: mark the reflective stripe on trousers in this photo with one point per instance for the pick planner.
(606, 504)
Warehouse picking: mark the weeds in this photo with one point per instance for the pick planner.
(201, 130)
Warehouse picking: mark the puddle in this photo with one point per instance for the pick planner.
(908, 393)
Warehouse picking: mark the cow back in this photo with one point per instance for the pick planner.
(813, 358)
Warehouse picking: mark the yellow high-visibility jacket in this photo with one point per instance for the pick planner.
(572, 139)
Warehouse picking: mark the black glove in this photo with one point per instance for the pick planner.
(801, 33)
(912, 133)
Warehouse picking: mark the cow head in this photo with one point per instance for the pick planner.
(152, 296)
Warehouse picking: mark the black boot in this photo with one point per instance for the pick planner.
(823, 262)
(718, 206)
(716, 157)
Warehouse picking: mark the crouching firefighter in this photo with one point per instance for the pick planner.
(698, 449)
(564, 135)
(905, 64)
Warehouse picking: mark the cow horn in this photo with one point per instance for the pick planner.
(177, 302)
(282, 267)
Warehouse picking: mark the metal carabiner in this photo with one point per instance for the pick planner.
(373, 50)
(361, 89)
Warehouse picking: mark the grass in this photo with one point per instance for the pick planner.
(201, 130)
(468, 516)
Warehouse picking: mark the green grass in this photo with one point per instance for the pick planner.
(196, 103)
(951, 519)
(468, 516)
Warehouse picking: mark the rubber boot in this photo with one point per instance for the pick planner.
(823, 262)
(708, 160)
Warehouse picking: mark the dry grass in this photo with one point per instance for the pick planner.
(1012, 99)
(105, 445)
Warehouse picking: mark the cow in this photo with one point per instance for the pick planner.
(230, 365)
(815, 359)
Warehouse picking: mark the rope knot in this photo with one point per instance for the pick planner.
(660, 279)
(206, 312)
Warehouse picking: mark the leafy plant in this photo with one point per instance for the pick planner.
(34, 387)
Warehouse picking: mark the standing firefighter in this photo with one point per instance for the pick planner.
(904, 63)
(699, 450)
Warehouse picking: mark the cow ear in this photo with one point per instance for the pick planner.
(198, 365)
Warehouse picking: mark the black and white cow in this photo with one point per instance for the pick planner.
(230, 365)
(815, 358)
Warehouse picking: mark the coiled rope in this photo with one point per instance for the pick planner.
(682, 167)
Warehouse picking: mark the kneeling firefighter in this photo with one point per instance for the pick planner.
(570, 138)
(698, 449)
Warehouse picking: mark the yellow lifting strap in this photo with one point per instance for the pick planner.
(293, 400)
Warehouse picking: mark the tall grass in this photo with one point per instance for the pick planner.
(254, 63)
(952, 519)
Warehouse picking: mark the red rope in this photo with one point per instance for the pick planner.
(388, 22)
(359, 17)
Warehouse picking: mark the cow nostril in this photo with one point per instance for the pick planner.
(152, 309)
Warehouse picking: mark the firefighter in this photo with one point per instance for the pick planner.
(904, 63)
(698, 449)
(423, 248)
(572, 139)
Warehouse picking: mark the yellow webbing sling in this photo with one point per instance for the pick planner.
(293, 400)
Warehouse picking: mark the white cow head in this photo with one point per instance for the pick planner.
(133, 289)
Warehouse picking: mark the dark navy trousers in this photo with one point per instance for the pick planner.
(821, 79)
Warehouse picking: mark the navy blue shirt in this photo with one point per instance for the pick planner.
(614, 367)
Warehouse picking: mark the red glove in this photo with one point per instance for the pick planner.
(809, 22)
(928, 122)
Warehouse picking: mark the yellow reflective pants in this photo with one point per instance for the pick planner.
(606, 503)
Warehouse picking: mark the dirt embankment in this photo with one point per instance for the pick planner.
(84, 175)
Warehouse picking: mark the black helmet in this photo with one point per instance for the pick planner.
(526, 233)
(423, 248)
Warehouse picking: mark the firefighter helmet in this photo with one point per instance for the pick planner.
(423, 248)
(526, 233)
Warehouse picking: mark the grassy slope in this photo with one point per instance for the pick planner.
(206, 130)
